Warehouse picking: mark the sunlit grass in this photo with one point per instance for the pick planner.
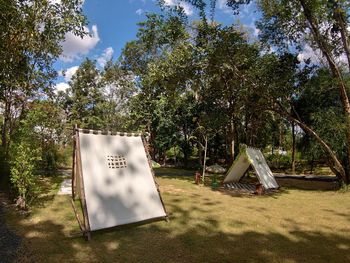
(205, 226)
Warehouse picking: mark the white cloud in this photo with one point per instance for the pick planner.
(106, 55)
(62, 86)
(223, 6)
(246, 12)
(186, 7)
(68, 73)
(75, 46)
(139, 11)
(55, 2)
(309, 53)
(316, 57)
(253, 30)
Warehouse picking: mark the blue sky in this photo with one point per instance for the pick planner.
(112, 23)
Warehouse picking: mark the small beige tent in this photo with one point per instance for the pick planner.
(247, 157)
(114, 180)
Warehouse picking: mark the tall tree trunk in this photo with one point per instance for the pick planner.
(280, 136)
(293, 148)
(230, 141)
(205, 157)
(6, 127)
(152, 149)
(200, 153)
(4, 133)
(324, 47)
(340, 17)
(233, 149)
(186, 147)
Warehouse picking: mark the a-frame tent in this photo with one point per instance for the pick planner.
(113, 178)
(251, 157)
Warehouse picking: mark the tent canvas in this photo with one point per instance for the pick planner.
(247, 157)
(113, 178)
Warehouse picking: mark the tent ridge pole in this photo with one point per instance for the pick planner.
(107, 132)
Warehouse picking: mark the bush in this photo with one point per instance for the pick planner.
(155, 164)
(64, 157)
(49, 158)
(279, 161)
(22, 177)
(174, 153)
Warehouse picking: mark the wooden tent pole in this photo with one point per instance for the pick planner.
(74, 163)
(145, 145)
(82, 190)
(77, 217)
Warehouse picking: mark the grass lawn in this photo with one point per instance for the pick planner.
(205, 226)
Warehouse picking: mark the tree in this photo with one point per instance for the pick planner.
(22, 177)
(159, 60)
(85, 100)
(118, 87)
(31, 36)
(320, 107)
(323, 26)
(42, 129)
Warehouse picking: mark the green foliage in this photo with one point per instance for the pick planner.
(175, 153)
(42, 129)
(31, 36)
(84, 104)
(99, 99)
(32, 33)
(155, 164)
(22, 177)
(279, 161)
(320, 107)
(64, 156)
(288, 22)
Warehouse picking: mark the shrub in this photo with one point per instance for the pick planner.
(155, 164)
(279, 161)
(22, 177)
(64, 157)
(174, 153)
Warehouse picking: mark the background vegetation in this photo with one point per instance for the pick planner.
(185, 83)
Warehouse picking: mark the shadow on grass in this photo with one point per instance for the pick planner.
(9, 241)
(175, 173)
(285, 183)
(238, 193)
(192, 235)
(185, 175)
(183, 239)
(48, 188)
(307, 184)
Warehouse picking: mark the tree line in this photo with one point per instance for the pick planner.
(186, 82)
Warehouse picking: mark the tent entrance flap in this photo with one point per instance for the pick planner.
(247, 157)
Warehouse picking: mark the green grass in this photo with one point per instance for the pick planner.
(205, 226)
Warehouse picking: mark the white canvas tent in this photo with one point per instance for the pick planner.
(247, 157)
(114, 180)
